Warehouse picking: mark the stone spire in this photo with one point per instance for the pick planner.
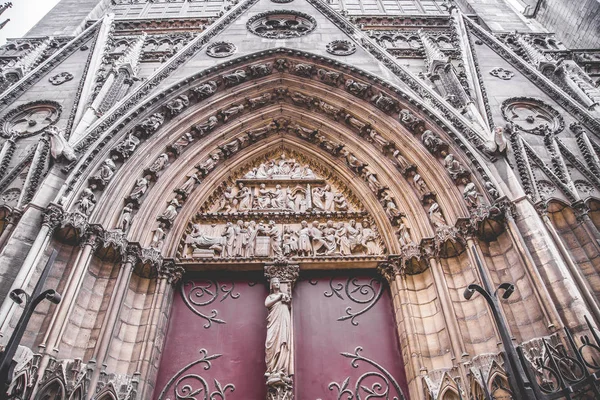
(433, 53)
(27, 61)
(130, 60)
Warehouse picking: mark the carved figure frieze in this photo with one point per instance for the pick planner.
(230, 112)
(61, 78)
(180, 144)
(250, 239)
(203, 128)
(436, 217)
(209, 164)
(169, 215)
(140, 188)
(158, 238)
(124, 221)
(188, 186)
(259, 101)
(104, 173)
(158, 165)
(234, 78)
(329, 77)
(353, 162)
(305, 70)
(178, 104)
(455, 168)
(260, 70)
(86, 202)
(30, 118)
(414, 124)
(434, 143)
(471, 195)
(281, 24)
(384, 102)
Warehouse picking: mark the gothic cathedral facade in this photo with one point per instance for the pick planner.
(298, 199)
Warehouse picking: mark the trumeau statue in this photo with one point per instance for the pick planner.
(278, 346)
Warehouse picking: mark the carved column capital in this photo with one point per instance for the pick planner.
(581, 210)
(171, 272)
(282, 269)
(393, 267)
(429, 248)
(93, 237)
(542, 209)
(132, 253)
(117, 239)
(151, 256)
(53, 216)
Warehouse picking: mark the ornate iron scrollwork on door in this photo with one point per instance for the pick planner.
(201, 294)
(185, 385)
(361, 293)
(379, 384)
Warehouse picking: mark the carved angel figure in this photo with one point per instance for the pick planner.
(86, 202)
(152, 123)
(106, 171)
(233, 146)
(403, 234)
(159, 237)
(278, 346)
(258, 101)
(178, 104)
(205, 90)
(125, 219)
(408, 119)
(180, 144)
(401, 162)
(234, 78)
(206, 126)
(420, 185)
(391, 209)
(372, 180)
(354, 163)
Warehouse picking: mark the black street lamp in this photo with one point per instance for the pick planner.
(516, 375)
(7, 364)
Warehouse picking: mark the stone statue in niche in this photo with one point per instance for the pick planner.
(209, 164)
(140, 188)
(178, 104)
(205, 90)
(329, 77)
(403, 234)
(401, 163)
(371, 178)
(302, 99)
(353, 162)
(86, 202)
(454, 167)
(413, 123)
(420, 185)
(260, 101)
(435, 216)
(127, 146)
(159, 164)
(328, 109)
(206, 126)
(433, 143)
(384, 102)
(170, 213)
(356, 88)
(59, 146)
(328, 145)
(234, 78)
(278, 346)
(230, 112)
(390, 207)
(376, 138)
(232, 147)
(180, 144)
(158, 238)
(151, 124)
(491, 189)
(305, 70)
(125, 219)
(355, 122)
(105, 172)
(259, 70)
(471, 195)
(188, 185)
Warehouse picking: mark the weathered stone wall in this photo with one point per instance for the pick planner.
(576, 23)
(68, 17)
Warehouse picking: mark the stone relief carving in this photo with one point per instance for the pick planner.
(341, 47)
(358, 89)
(502, 73)
(124, 221)
(278, 345)
(61, 78)
(150, 125)
(104, 173)
(59, 146)
(234, 78)
(177, 105)
(205, 90)
(180, 144)
(281, 24)
(221, 49)
(124, 149)
(30, 119)
(86, 202)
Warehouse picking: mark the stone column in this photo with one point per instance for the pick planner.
(51, 219)
(394, 272)
(280, 369)
(153, 341)
(10, 224)
(8, 149)
(110, 320)
(60, 319)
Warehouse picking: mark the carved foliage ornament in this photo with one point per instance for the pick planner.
(281, 24)
(532, 115)
(341, 47)
(221, 49)
(30, 119)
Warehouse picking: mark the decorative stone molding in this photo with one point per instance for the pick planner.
(502, 73)
(53, 216)
(61, 78)
(341, 48)
(283, 270)
(532, 115)
(171, 272)
(30, 118)
(221, 49)
(281, 24)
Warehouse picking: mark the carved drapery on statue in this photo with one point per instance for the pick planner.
(280, 206)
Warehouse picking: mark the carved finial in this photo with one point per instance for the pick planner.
(536, 56)
(130, 59)
(391, 268)
(432, 52)
(27, 61)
